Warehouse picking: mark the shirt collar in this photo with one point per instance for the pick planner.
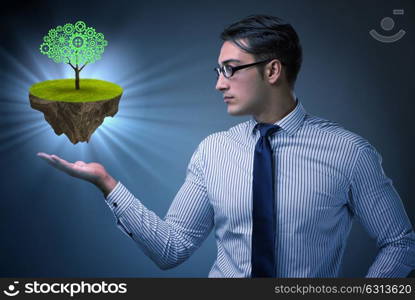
(290, 123)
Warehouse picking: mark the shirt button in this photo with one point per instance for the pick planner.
(115, 204)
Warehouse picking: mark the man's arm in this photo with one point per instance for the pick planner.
(169, 241)
(380, 210)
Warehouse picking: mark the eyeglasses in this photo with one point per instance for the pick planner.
(228, 70)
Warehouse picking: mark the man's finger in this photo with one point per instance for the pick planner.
(47, 158)
(77, 169)
(58, 163)
(52, 159)
(43, 155)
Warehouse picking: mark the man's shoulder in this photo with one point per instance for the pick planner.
(239, 129)
(336, 130)
(236, 133)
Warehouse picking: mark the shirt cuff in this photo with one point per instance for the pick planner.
(119, 199)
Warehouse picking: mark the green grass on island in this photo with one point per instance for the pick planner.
(64, 90)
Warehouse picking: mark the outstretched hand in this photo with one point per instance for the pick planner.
(92, 172)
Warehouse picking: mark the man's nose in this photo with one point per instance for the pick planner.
(222, 83)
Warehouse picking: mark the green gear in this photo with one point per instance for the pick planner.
(66, 51)
(80, 26)
(47, 39)
(57, 58)
(52, 33)
(59, 29)
(99, 36)
(52, 52)
(68, 28)
(62, 39)
(44, 48)
(104, 43)
(77, 41)
(92, 43)
(90, 32)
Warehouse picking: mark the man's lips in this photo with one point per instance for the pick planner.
(227, 99)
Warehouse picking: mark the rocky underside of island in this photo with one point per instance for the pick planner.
(77, 120)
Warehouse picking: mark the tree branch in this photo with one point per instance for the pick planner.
(70, 63)
(83, 67)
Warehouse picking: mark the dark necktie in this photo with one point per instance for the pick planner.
(263, 227)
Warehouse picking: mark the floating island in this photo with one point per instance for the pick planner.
(77, 113)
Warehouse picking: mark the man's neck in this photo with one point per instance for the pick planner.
(280, 106)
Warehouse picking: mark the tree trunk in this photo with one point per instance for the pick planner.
(77, 78)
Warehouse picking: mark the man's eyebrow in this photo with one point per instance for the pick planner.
(230, 60)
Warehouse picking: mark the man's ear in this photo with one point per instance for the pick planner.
(273, 71)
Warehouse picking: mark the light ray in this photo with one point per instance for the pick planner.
(23, 71)
(17, 139)
(133, 152)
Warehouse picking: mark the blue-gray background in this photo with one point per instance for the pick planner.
(162, 54)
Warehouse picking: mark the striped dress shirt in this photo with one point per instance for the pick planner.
(324, 177)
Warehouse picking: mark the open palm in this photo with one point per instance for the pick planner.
(91, 172)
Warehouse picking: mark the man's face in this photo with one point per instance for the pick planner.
(244, 92)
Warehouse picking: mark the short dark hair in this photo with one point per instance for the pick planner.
(268, 37)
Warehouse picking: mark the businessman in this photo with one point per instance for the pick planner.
(280, 190)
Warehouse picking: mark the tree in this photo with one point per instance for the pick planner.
(74, 45)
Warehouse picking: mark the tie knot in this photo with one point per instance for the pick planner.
(267, 129)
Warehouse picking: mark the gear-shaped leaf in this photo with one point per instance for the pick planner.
(68, 28)
(52, 33)
(77, 41)
(62, 39)
(90, 32)
(44, 48)
(80, 26)
(66, 51)
(91, 43)
(99, 36)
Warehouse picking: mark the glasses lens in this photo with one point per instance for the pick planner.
(217, 71)
(227, 70)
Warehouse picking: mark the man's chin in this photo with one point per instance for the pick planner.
(236, 112)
